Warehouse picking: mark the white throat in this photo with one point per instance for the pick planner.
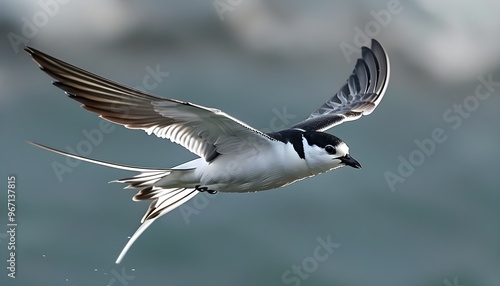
(318, 161)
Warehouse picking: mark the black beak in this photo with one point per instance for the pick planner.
(349, 161)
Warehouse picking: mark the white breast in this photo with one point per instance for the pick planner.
(255, 170)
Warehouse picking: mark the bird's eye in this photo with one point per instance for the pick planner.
(330, 149)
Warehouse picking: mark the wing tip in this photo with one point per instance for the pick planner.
(379, 52)
(29, 50)
(384, 65)
(35, 55)
(376, 44)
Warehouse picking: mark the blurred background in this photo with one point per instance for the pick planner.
(412, 216)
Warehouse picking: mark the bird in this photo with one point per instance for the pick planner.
(233, 156)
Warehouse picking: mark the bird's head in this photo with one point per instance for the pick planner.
(324, 152)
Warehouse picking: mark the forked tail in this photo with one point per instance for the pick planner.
(163, 199)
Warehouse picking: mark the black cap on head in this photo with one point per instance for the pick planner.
(321, 139)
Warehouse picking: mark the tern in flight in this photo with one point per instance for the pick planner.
(234, 157)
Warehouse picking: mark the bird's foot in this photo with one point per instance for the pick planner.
(205, 189)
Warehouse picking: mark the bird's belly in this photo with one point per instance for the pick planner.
(253, 173)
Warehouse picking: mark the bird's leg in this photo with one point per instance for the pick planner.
(205, 189)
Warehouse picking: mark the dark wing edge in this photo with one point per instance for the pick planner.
(360, 95)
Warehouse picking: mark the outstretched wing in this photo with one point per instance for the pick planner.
(359, 96)
(207, 132)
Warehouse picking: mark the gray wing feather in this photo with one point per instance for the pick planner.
(199, 129)
(360, 95)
